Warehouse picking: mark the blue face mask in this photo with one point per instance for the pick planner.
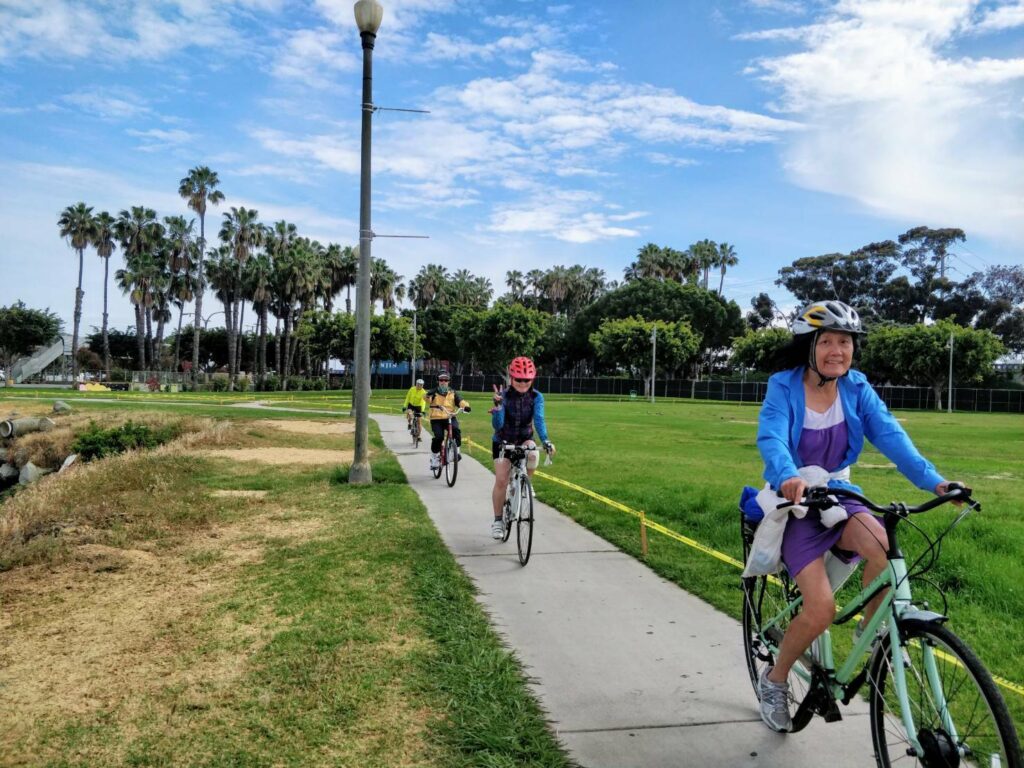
(442, 388)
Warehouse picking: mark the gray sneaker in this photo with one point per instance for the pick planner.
(774, 703)
(497, 529)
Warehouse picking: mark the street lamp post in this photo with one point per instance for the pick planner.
(369, 14)
(654, 355)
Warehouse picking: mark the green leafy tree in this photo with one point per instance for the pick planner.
(21, 331)
(440, 327)
(390, 337)
(627, 344)
(919, 355)
(762, 312)
(715, 320)
(505, 332)
(757, 348)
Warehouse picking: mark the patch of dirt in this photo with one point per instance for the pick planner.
(282, 456)
(225, 494)
(114, 629)
(332, 428)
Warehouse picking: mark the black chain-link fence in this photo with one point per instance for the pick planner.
(920, 398)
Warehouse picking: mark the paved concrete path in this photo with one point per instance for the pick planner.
(631, 669)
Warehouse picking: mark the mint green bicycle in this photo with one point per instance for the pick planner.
(932, 702)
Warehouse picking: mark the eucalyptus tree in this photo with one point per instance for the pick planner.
(141, 237)
(104, 242)
(199, 188)
(727, 258)
(242, 232)
(78, 227)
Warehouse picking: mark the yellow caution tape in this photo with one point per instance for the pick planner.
(646, 522)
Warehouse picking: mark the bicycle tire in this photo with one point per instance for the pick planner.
(524, 520)
(416, 432)
(980, 718)
(507, 519)
(440, 465)
(451, 464)
(764, 598)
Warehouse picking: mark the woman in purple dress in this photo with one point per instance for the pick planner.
(817, 412)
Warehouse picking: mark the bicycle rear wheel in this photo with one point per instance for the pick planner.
(416, 431)
(974, 727)
(451, 464)
(524, 521)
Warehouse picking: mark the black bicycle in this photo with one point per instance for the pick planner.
(449, 463)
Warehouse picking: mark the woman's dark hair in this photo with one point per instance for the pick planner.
(798, 351)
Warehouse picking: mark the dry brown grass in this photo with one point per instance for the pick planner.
(298, 426)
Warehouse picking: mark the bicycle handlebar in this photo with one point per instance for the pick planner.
(456, 412)
(818, 498)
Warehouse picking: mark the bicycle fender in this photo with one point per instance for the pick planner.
(925, 617)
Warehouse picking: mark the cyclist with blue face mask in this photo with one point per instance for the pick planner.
(442, 402)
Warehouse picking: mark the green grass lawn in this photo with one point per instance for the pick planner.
(683, 463)
(321, 624)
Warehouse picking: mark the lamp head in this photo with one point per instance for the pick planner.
(369, 14)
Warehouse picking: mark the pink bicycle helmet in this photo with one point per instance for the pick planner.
(522, 368)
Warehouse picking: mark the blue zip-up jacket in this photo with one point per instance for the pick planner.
(782, 421)
(498, 417)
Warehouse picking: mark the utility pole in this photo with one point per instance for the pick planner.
(949, 391)
(654, 355)
(412, 357)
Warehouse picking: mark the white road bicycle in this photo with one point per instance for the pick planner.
(518, 507)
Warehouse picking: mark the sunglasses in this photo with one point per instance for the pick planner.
(522, 381)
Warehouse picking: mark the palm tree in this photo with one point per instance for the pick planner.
(200, 188)
(103, 240)
(429, 285)
(556, 286)
(222, 275)
(78, 227)
(182, 290)
(181, 252)
(705, 253)
(726, 258)
(516, 283)
(242, 232)
(141, 237)
(385, 284)
(259, 288)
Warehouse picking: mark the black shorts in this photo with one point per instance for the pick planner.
(416, 409)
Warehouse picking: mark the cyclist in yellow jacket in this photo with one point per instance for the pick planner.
(415, 401)
(443, 401)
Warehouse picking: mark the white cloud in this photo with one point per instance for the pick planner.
(112, 103)
(1002, 17)
(313, 56)
(156, 139)
(899, 121)
(778, 6)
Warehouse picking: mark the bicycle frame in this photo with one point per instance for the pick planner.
(897, 603)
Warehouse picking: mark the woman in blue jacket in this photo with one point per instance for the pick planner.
(817, 412)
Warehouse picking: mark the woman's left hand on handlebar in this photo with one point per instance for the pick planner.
(943, 488)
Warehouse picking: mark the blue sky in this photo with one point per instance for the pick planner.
(558, 133)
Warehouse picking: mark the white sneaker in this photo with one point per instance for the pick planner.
(435, 461)
(497, 530)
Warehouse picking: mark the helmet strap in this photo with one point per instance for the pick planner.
(812, 362)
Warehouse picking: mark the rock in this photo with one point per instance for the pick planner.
(30, 473)
(59, 406)
(68, 462)
(8, 472)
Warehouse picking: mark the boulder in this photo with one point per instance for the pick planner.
(30, 473)
(8, 472)
(59, 406)
(68, 462)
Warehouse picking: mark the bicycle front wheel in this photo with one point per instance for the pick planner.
(415, 432)
(767, 614)
(524, 522)
(440, 465)
(959, 716)
(451, 465)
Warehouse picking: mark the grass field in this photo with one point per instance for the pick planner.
(684, 462)
(194, 606)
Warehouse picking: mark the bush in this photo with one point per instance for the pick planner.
(96, 442)
(271, 384)
(220, 382)
(243, 384)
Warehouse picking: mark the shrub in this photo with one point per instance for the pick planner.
(96, 442)
(220, 382)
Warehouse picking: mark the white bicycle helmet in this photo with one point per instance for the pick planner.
(827, 316)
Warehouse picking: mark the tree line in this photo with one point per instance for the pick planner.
(573, 319)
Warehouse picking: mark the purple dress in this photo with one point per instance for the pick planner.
(823, 442)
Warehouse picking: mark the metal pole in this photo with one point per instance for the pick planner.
(949, 393)
(359, 473)
(412, 357)
(654, 354)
